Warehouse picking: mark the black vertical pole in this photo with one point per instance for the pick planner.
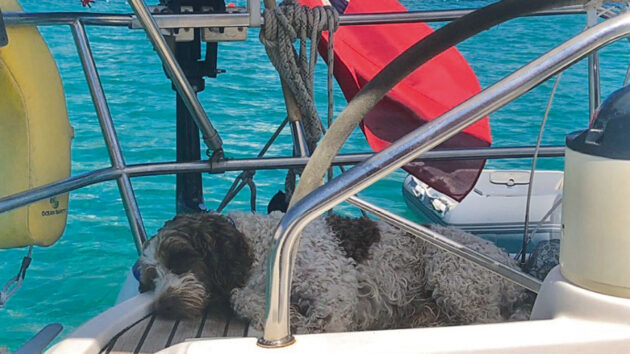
(189, 190)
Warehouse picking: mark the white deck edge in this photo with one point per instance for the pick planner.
(92, 336)
(560, 335)
(568, 319)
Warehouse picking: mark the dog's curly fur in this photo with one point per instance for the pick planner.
(324, 290)
(459, 286)
(356, 245)
(350, 274)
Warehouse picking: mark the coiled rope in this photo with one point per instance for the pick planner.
(284, 25)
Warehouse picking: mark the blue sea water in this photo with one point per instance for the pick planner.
(79, 276)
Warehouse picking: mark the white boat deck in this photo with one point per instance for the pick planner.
(152, 333)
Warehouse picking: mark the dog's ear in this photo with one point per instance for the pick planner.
(209, 247)
(226, 255)
(178, 254)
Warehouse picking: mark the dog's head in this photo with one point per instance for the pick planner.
(195, 260)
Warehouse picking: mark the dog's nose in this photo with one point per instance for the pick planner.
(178, 306)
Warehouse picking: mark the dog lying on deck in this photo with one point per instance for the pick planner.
(350, 274)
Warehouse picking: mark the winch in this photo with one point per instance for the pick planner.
(596, 227)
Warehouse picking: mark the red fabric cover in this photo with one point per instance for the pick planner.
(442, 83)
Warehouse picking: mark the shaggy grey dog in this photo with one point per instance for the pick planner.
(350, 274)
(194, 262)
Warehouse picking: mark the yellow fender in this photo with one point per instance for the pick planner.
(35, 136)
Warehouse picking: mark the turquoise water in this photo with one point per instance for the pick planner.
(80, 275)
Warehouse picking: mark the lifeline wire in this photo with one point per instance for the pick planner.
(533, 169)
(527, 238)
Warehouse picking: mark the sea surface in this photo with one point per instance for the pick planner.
(79, 276)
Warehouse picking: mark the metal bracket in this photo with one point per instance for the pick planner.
(181, 34)
(4, 39)
(226, 34)
(208, 34)
(253, 7)
(217, 155)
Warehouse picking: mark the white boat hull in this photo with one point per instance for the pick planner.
(566, 319)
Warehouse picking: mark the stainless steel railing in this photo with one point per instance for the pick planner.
(371, 167)
(176, 74)
(165, 21)
(286, 238)
(109, 132)
(122, 172)
(94, 177)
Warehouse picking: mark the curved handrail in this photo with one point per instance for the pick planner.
(286, 238)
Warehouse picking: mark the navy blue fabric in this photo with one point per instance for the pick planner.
(135, 271)
(339, 5)
(609, 131)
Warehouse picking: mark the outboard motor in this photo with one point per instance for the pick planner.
(595, 247)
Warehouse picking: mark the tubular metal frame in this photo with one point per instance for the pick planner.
(371, 166)
(176, 74)
(286, 239)
(163, 21)
(109, 132)
(106, 174)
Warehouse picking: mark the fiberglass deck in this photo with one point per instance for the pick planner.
(152, 334)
